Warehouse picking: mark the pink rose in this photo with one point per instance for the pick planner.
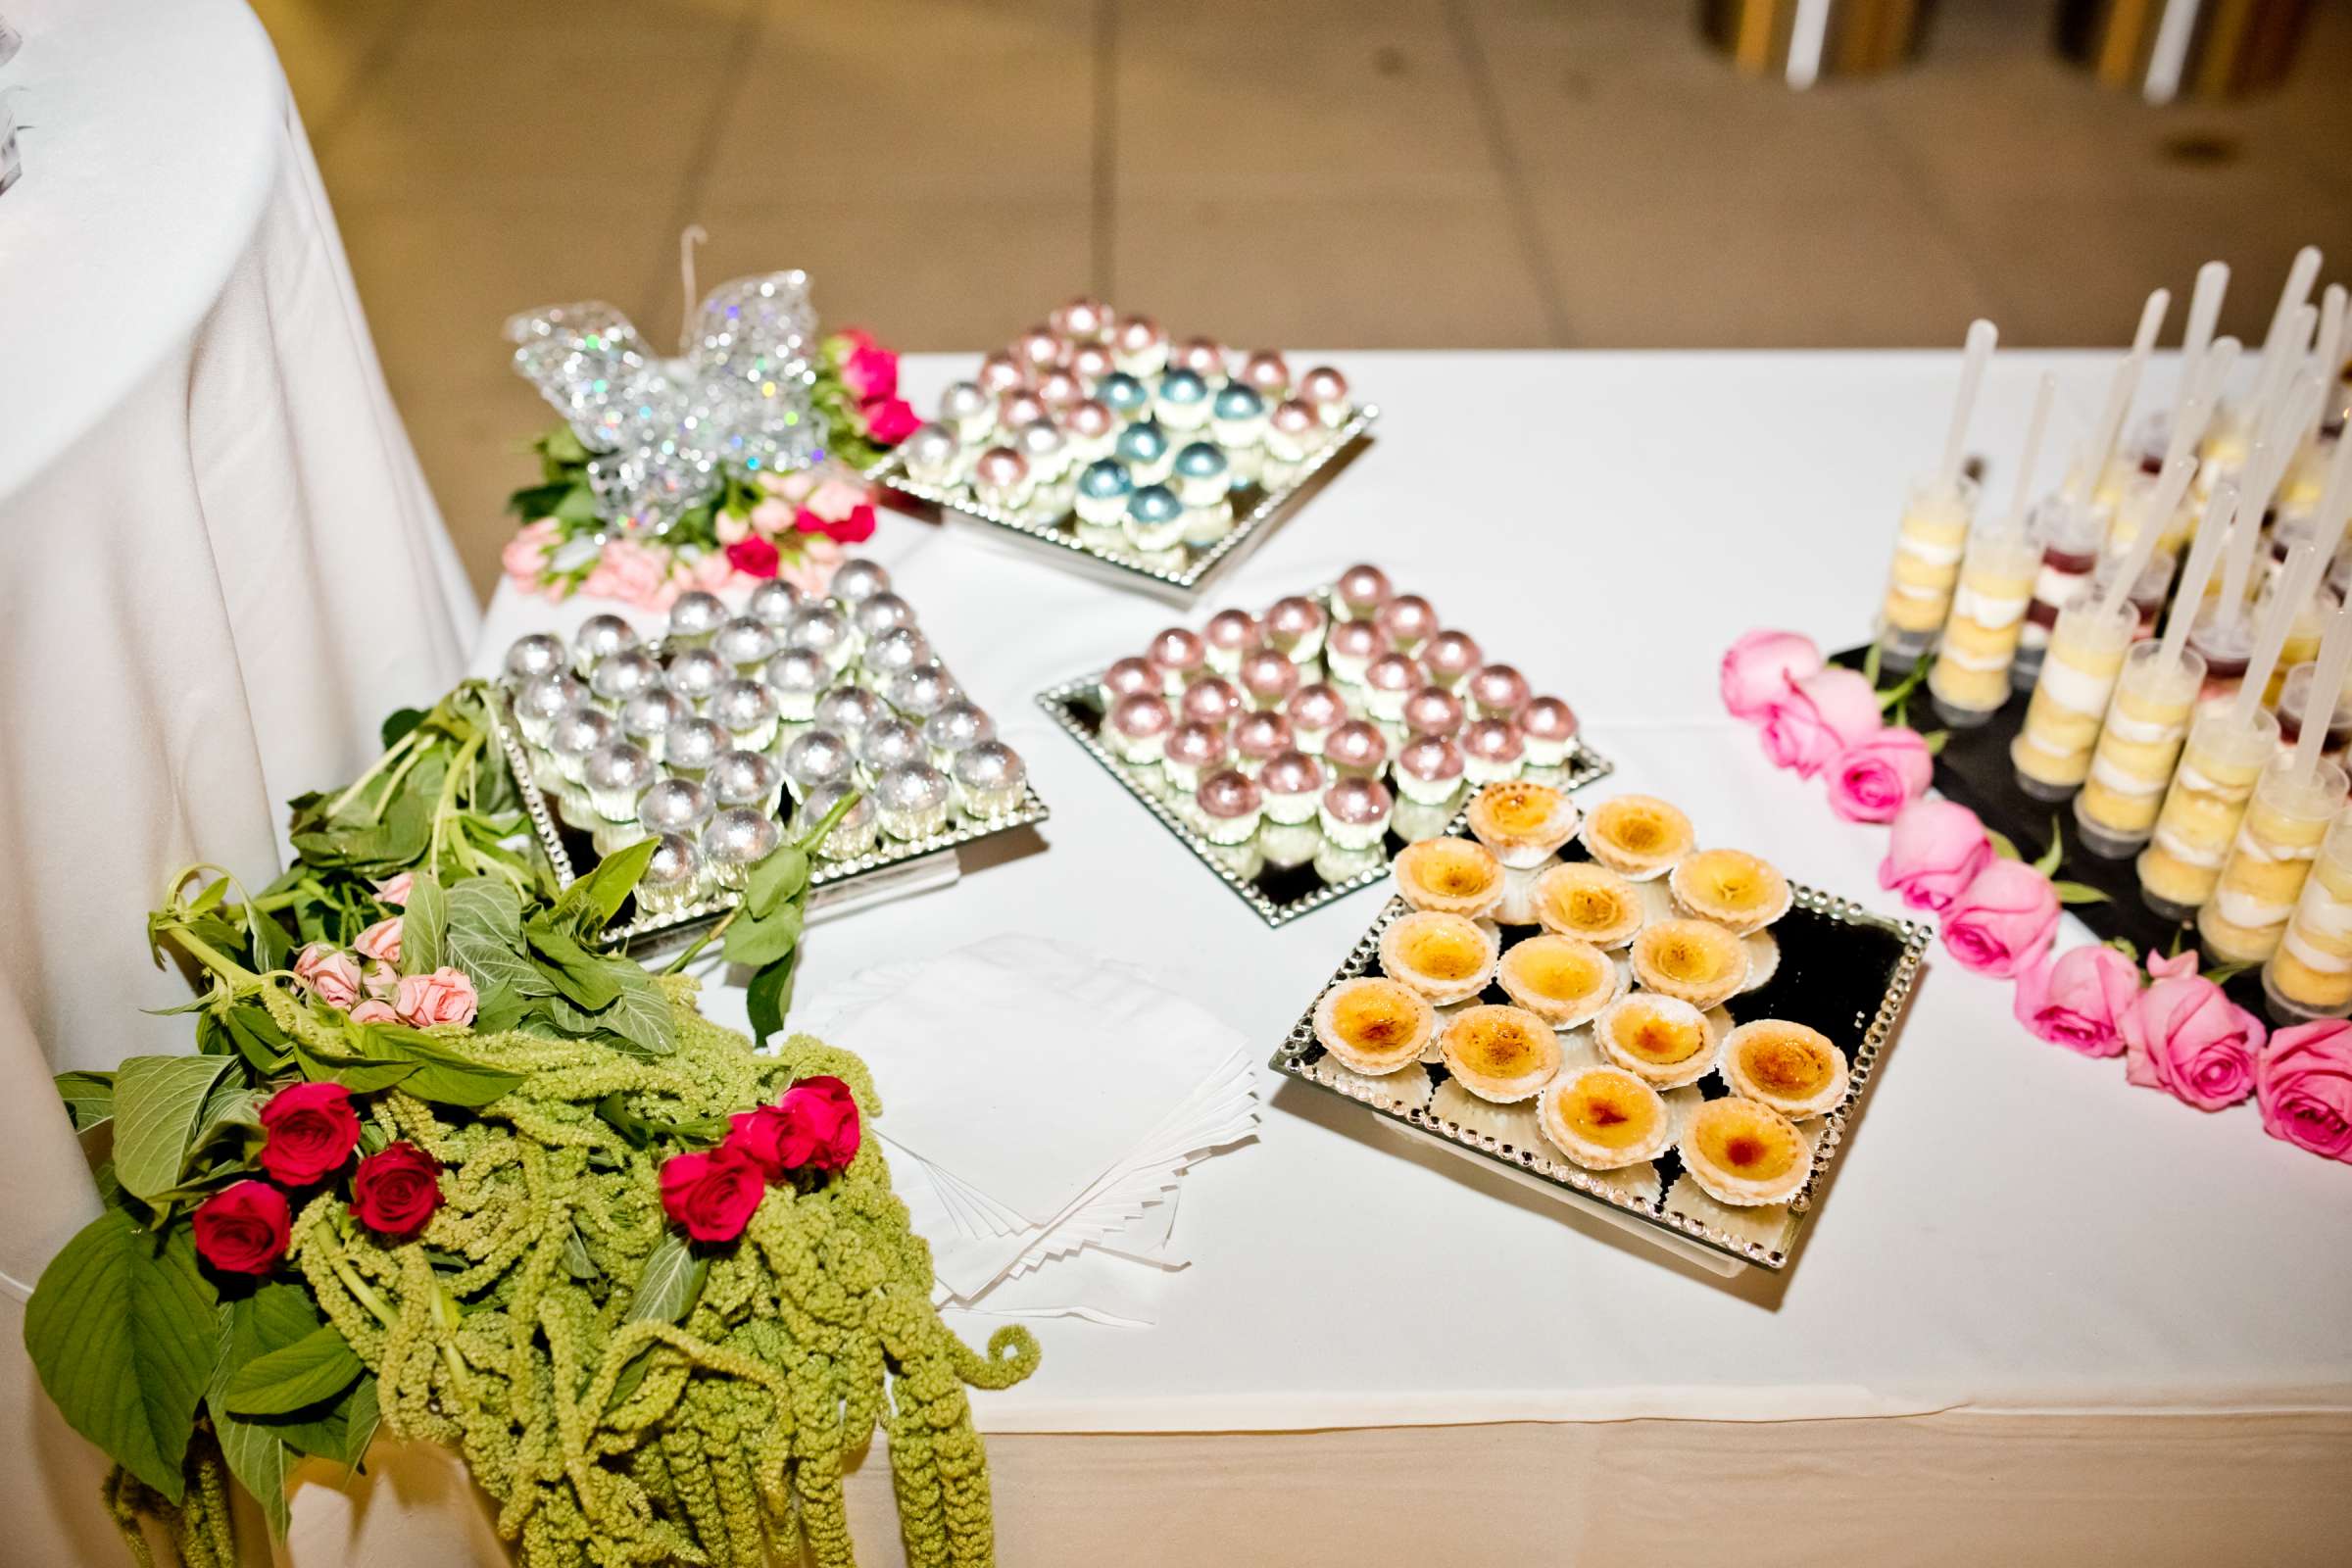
(769, 516)
(308, 1130)
(2303, 1083)
(833, 499)
(1817, 717)
(1937, 849)
(446, 996)
(381, 982)
(812, 573)
(889, 421)
(525, 554)
(1761, 668)
(330, 974)
(2003, 920)
(2079, 998)
(732, 527)
(380, 942)
(1873, 779)
(854, 529)
(630, 573)
(373, 1010)
(395, 890)
(712, 1196)
(793, 487)
(2183, 1036)
(755, 557)
(870, 373)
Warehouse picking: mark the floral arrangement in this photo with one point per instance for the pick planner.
(441, 1167)
(2176, 1029)
(791, 526)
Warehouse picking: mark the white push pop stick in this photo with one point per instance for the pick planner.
(2204, 310)
(2334, 342)
(2292, 294)
(1981, 336)
(2015, 521)
(2171, 486)
(2278, 365)
(2327, 685)
(2303, 569)
(2266, 465)
(2200, 395)
(2086, 476)
(2210, 531)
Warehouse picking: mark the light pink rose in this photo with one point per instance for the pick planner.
(711, 570)
(395, 890)
(2183, 1036)
(773, 516)
(383, 980)
(525, 554)
(1875, 778)
(1817, 717)
(2078, 999)
(1937, 849)
(446, 996)
(380, 942)
(2003, 920)
(373, 1011)
(1761, 668)
(329, 973)
(793, 487)
(836, 497)
(812, 573)
(2303, 1083)
(733, 529)
(629, 572)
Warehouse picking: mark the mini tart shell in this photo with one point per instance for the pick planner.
(1660, 940)
(1657, 1074)
(1408, 1006)
(1568, 900)
(1522, 821)
(1638, 836)
(1396, 943)
(1752, 1053)
(1625, 1090)
(1559, 1011)
(1429, 874)
(1740, 892)
(1727, 1124)
(1465, 1028)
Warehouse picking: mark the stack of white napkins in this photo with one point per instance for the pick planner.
(1041, 1105)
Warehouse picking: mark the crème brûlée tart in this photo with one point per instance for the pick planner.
(1740, 892)
(1500, 1054)
(1522, 821)
(1560, 980)
(1453, 876)
(1638, 835)
(1590, 902)
(1691, 960)
(1795, 1070)
(1745, 1154)
(1604, 1118)
(1664, 1043)
(1375, 1025)
(1446, 957)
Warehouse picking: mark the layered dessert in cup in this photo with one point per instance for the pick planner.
(2310, 976)
(1970, 680)
(2070, 536)
(1929, 547)
(2264, 873)
(2087, 647)
(2147, 719)
(2294, 699)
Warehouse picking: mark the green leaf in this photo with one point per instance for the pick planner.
(423, 923)
(261, 1462)
(327, 1431)
(124, 1335)
(397, 724)
(643, 1133)
(570, 969)
(1936, 739)
(2221, 974)
(274, 1316)
(1872, 661)
(2003, 845)
(484, 936)
(2047, 861)
(440, 1074)
(257, 1037)
(362, 1075)
(537, 501)
(641, 1013)
(761, 941)
(89, 1098)
(672, 1282)
(317, 1366)
(769, 996)
(576, 1262)
(782, 875)
(2123, 946)
(564, 447)
(157, 1099)
(587, 905)
(231, 1107)
(2073, 893)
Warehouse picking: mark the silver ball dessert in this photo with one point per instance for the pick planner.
(797, 675)
(968, 407)
(599, 638)
(817, 758)
(822, 630)
(539, 653)
(745, 642)
(672, 876)
(736, 840)
(894, 649)
(542, 700)
(849, 711)
(746, 710)
(575, 733)
(988, 775)
(695, 673)
(772, 603)
(929, 453)
(911, 800)
(673, 805)
(615, 774)
(693, 615)
(957, 726)
(691, 746)
(920, 690)
(649, 716)
(853, 835)
(856, 580)
(623, 676)
(746, 778)
(889, 742)
(881, 613)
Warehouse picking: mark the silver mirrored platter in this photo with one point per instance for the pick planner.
(1279, 894)
(1177, 575)
(1843, 970)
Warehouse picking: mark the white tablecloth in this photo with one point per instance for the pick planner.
(223, 569)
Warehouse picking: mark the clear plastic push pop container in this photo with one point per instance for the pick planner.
(1970, 680)
(2202, 810)
(2226, 642)
(2052, 752)
(2139, 743)
(2264, 873)
(1927, 551)
(2310, 976)
(2137, 508)
(2070, 536)
(2294, 698)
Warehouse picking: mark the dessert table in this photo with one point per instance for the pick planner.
(2041, 1316)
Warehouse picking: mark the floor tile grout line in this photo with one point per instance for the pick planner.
(375, 61)
(1534, 253)
(748, 28)
(1104, 211)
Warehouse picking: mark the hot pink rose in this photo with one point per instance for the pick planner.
(375, 1010)
(889, 421)
(1937, 849)
(2079, 998)
(870, 373)
(2003, 920)
(446, 996)
(1760, 667)
(308, 1130)
(1817, 717)
(330, 974)
(770, 516)
(2303, 1083)
(712, 1196)
(1873, 779)
(755, 557)
(854, 529)
(525, 554)
(396, 890)
(2183, 1036)
(380, 942)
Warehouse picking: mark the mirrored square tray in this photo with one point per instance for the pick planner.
(1048, 527)
(1843, 970)
(893, 869)
(1280, 877)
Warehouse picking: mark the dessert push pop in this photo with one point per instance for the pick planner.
(1933, 533)
(2086, 483)
(2140, 736)
(2052, 752)
(2135, 506)
(2204, 312)
(1970, 679)
(2310, 976)
(2224, 633)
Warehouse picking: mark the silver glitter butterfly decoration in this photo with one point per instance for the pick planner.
(661, 431)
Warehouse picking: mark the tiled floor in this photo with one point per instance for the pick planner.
(1320, 172)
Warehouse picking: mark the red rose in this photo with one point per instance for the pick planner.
(829, 1112)
(755, 555)
(889, 419)
(712, 1195)
(870, 373)
(242, 1229)
(396, 1190)
(309, 1130)
(774, 1140)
